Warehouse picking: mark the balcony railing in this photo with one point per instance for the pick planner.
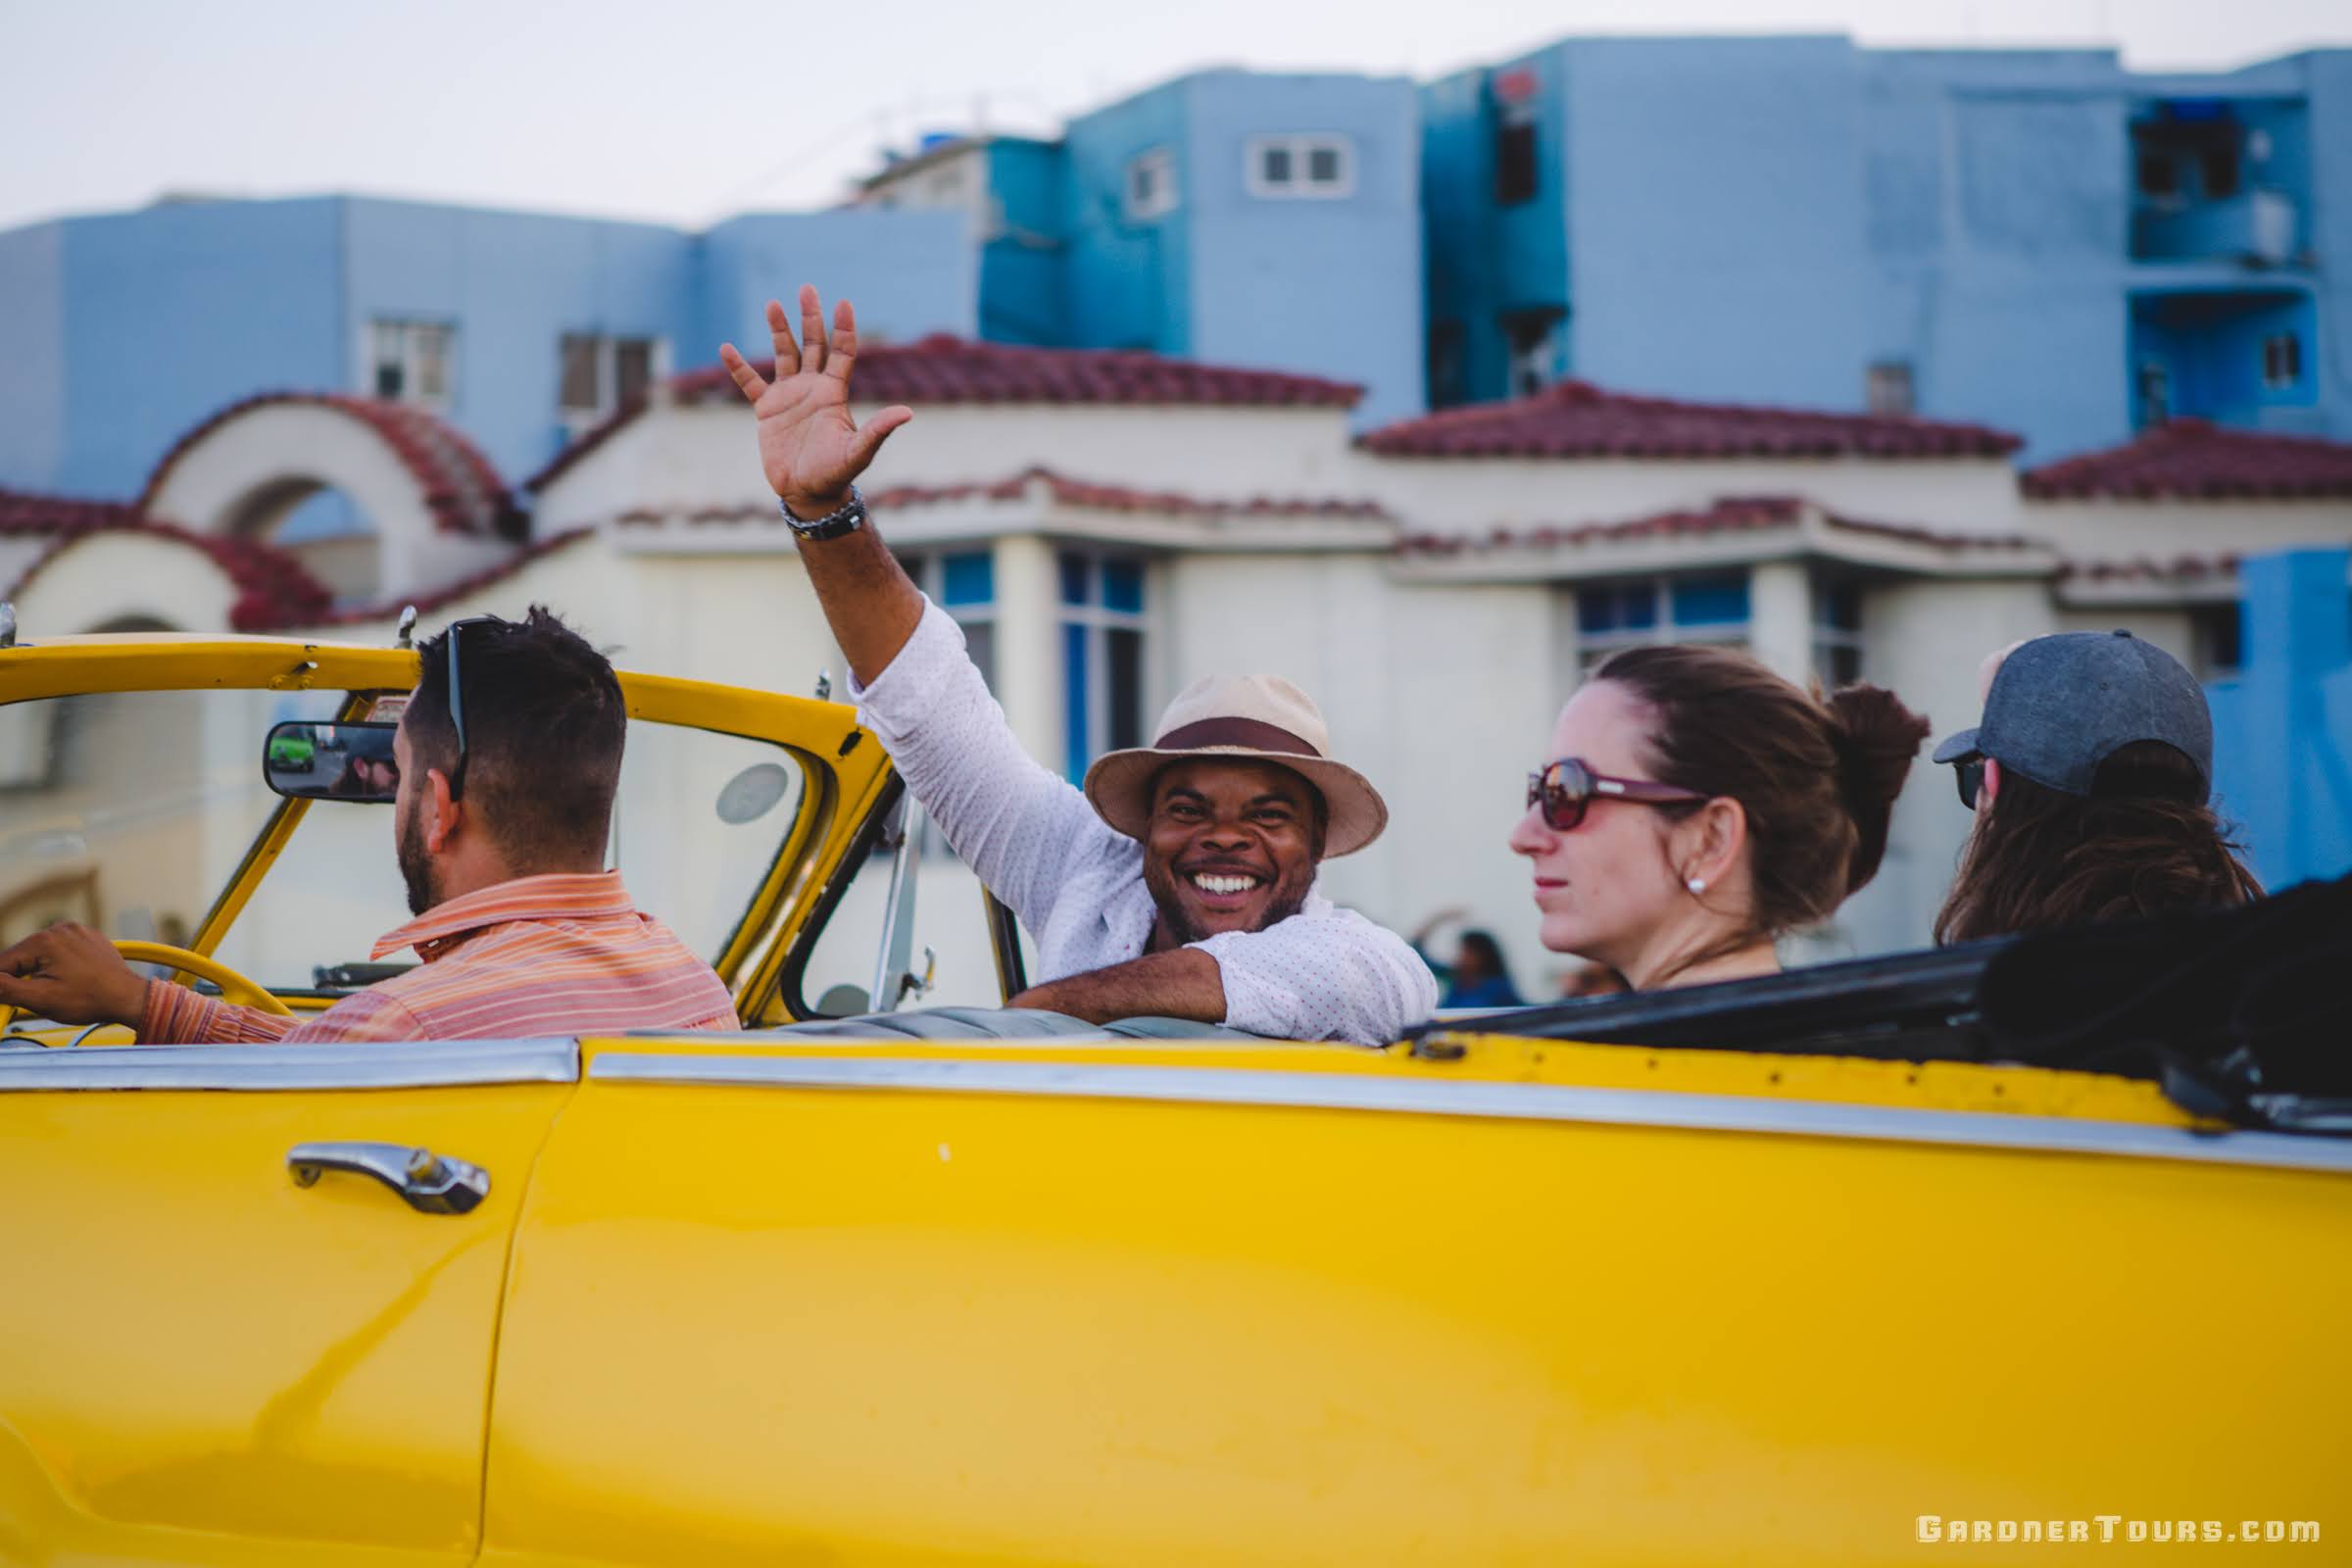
(2260, 228)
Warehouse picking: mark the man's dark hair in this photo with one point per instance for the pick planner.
(544, 729)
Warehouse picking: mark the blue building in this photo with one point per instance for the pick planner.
(119, 333)
(1260, 220)
(2038, 239)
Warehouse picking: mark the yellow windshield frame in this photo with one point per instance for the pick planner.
(846, 775)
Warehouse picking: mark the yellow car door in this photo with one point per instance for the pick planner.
(252, 1295)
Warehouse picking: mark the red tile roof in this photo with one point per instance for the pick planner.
(1064, 491)
(1727, 515)
(461, 490)
(942, 368)
(1578, 419)
(2194, 459)
(274, 588)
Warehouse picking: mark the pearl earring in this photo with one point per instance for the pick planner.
(1697, 884)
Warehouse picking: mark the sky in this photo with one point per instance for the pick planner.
(686, 112)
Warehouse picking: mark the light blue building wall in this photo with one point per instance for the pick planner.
(513, 285)
(1144, 227)
(32, 353)
(120, 333)
(912, 273)
(1715, 207)
(2283, 731)
(2034, 239)
(1021, 295)
(1325, 284)
(1127, 273)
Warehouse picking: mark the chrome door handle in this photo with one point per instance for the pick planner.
(430, 1182)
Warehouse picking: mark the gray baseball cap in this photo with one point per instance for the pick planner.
(2060, 706)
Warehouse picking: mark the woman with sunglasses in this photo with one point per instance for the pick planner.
(2091, 781)
(1696, 807)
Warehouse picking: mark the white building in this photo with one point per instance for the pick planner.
(1111, 525)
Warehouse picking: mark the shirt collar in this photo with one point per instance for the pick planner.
(562, 894)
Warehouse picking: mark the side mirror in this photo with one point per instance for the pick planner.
(306, 761)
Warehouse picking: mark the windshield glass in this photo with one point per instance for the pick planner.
(133, 810)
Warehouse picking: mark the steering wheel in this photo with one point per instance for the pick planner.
(234, 987)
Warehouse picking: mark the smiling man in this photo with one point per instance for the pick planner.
(1182, 882)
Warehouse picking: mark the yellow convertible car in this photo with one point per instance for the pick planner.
(1789, 1271)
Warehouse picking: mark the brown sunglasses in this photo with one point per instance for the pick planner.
(1567, 787)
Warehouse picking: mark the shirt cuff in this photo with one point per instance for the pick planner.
(176, 1016)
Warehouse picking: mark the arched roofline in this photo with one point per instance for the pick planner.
(460, 487)
(274, 588)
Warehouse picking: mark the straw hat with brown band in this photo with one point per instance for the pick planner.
(1259, 719)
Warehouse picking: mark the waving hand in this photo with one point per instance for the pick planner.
(809, 445)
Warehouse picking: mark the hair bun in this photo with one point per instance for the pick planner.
(1877, 739)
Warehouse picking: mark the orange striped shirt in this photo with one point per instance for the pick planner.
(560, 954)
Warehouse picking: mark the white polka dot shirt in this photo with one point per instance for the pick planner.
(1325, 973)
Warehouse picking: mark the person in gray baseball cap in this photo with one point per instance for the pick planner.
(2091, 779)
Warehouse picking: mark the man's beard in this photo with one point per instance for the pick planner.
(416, 866)
(1289, 899)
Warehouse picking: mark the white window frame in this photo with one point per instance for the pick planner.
(1827, 638)
(1098, 620)
(608, 374)
(1166, 198)
(1594, 647)
(1301, 147)
(407, 331)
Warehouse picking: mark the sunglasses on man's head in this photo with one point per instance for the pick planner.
(1567, 787)
(456, 697)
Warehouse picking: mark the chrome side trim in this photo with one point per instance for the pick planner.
(1623, 1108)
(351, 1064)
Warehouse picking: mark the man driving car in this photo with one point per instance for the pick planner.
(1181, 882)
(508, 759)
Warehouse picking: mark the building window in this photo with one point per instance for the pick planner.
(1448, 373)
(1298, 165)
(2155, 392)
(1515, 163)
(1837, 631)
(597, 374)
(1534, 339)
(1636, 611)
(2218, 164)
(412, 361)
(1150, 185)
(1887, 389)
(2158, 174)
(2218, 633)
(963, 583)
(1102, 656)
(2281, 360)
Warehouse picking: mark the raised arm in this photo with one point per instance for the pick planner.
(810, 451)
(1015, 822)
